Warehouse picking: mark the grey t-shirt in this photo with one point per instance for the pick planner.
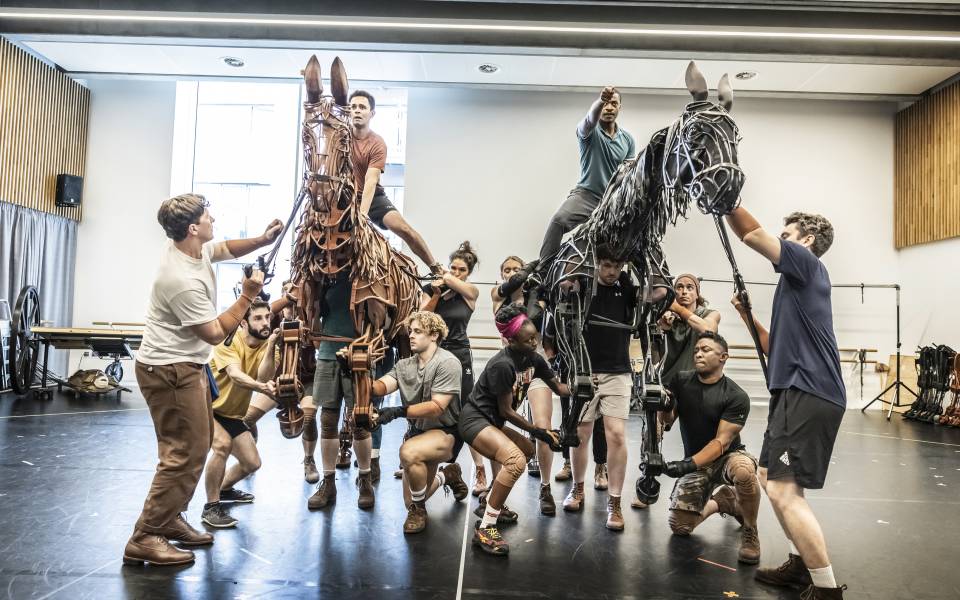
(601, 155)
(441, 375)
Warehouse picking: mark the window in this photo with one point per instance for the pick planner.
(238, 144)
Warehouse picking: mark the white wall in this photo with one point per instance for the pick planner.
(491, 166)
(129, 151)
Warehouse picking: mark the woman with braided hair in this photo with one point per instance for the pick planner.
(493, 404)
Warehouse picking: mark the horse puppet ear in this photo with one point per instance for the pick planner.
(696, 83)
(725, 92)
(338, 82)
(311, 78)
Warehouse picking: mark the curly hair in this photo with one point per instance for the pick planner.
(816, 225)
(431, 322)
(467, 254)
(177, 214)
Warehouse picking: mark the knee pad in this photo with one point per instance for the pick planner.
(359, 433)
(742, 473)
(310, 424)
(682, 522)
(513, 463)
(328, 423)
(253, 415)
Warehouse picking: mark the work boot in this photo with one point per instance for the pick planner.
(416, 518)
(365, 499)
(565, 472)
(638, 503)
(326, 493)
(749, 546)
(310, 472)
(343, 458)
(792, 573)
(574, 500)
(818, 593)
(453, 481)
(547, 505)
(489, 540)
(600, 480)
(506, 515)
(614, 514)
(480, 482)
(150, 548)
(727, 504)
(235, 495)
(215, 515)
(375, 470)
(178, 530)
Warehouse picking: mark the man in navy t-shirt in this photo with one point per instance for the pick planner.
(808, 393)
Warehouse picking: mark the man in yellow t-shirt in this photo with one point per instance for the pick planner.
(245, 366)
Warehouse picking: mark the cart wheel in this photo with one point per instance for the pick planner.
(115, 370)
(24, 344)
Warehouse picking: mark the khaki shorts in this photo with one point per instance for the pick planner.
(612, 398)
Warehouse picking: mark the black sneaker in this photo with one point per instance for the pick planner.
(506, 515)
(217, 516)
(235, 495)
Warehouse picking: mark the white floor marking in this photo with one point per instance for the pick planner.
(463, 550)
(244, 550)
(84, 412)
(888, 437)
(63, 587)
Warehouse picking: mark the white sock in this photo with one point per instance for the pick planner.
(793, 548)
(364, 471)
(823, 578)
(419, 495)
(375, 453)
(490, 516)
(441, 478)
(614, 495)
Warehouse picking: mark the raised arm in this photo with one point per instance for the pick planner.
(761, 330)
(711, 322)
(215, 331)
(590, 120)
(237, 248)
(749, 231)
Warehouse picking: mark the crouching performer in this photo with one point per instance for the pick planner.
(492, 405)
(429, 384)
(712, 410)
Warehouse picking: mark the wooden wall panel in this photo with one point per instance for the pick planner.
(927, 169)
(43, 130)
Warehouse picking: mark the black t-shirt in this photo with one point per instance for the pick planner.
(503, 374)
(701, 407)
(456, 313)
(608, 347)
(803, 347)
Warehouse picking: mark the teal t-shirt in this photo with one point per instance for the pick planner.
(600, 155)
(337, 321)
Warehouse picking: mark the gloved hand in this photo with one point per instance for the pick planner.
(679, 468)
(389, 413)
(550, 437)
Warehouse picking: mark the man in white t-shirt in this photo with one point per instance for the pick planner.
(182, 326)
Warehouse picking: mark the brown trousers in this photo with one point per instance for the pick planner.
(178, 396)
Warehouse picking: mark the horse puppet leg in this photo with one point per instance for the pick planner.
(570, 316)
(364, 352)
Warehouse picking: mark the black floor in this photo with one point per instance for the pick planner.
(71, 486)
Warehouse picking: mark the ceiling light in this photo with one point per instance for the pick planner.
(233, 61)
(488, 69)
(744, 75)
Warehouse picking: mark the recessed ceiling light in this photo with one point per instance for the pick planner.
(744, 75)
(232, 61)
(488, 68)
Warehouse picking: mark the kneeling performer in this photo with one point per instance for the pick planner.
(429, 384)
(492, 404)
(712, 410)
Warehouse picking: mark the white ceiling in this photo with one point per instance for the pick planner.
(451, 67)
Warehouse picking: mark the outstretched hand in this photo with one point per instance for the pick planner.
(679, 468)
(389, 413)
(273, 230)
(550, 437)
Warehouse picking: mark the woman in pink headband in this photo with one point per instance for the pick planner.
(493, 404)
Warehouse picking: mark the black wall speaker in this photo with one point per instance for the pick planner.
(69, 190)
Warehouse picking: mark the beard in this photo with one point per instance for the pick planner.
(260, 334)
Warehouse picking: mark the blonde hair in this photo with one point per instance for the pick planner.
(430, 321)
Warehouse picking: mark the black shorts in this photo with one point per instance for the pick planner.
(465, 356)
(452, 430)
(235, 427)
(379, 207)
(472, 422)
(801, 431)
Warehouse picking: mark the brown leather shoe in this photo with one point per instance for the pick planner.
(637, 503)
(749, 546)
(548, 506)
(366, 497)
(600, 480)
(614, 514)
(453, 480)
(310, 472)
(817, 593)
(574, 500)
(727, 504)
(480, 482)
(416, 519)
(178, 530)
(326, 494)
(154, 549)
(375, 470)
(565, 473)
(792, 573)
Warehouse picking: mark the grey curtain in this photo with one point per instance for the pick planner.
(39, 249)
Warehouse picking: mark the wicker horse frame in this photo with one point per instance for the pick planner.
(334, 238)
